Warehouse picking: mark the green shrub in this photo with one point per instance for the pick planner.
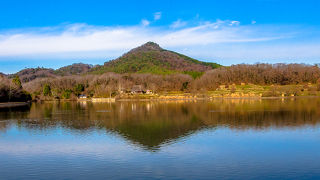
(194, 74)
(46, 90)
(66, 94)
(16, 81)
(184, 86)
(78, 89)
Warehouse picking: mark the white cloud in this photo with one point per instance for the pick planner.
(82, 38)
(234, 23)
(178, 24)
(84, 41)
(157, 16)
(145, 22)
(253, 22)
(228, 54)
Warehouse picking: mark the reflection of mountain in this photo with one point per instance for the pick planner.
(152, 133)
(151, 124)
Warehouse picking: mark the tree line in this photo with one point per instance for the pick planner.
(261, 74)
(111, 84)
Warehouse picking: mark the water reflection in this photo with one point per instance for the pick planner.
(153, 124)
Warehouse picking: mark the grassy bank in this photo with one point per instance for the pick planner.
(224, 91)
(232, 91)
(250, 90)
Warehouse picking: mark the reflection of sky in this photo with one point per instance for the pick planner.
(218, 153)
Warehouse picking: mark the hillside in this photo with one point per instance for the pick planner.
(2, 75)
(74, 69)
(148, 58)
(30, 74)
(151, 58)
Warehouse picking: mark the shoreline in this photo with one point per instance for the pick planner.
(168, 98)
(14, 104)
(185, 99)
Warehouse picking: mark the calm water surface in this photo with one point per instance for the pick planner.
(220, 139)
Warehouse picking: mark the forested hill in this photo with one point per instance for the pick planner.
(30, 74)
(148, 58)
(151, 58)
(74, 69)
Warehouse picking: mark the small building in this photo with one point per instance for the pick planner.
(82, 96)
(136, 89)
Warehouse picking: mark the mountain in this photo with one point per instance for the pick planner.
(2, 74)
(74, 69)
(30, 74)
(151, 58)
(148, 58)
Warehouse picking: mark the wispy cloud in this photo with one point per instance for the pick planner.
(145, 22)
(157, 16)
(235, 23)
(178, 24)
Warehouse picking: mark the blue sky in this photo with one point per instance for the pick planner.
(57, 33)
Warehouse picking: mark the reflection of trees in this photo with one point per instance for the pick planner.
(151, 124)
(7, 114)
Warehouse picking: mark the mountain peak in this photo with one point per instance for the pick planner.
(152, 45)
(149, 46)
(151, 58)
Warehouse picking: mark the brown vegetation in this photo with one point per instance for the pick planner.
(74, 69)
(30, 74)
(109, 84)
(262, 74)
(300, 77)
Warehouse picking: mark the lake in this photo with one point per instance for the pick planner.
(219, 139)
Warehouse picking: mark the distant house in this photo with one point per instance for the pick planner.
(136, 89)
(82, 96)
